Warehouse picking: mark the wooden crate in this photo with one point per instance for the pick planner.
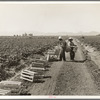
(31, 75)
(10, 84)
(52, 52)
(4, 92)
(39, 68)
(52, 57)
(27, 75)
(40, 60)
(39, 72)
(38, 64)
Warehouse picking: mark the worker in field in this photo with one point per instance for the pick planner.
(62, 45)
(73, 47)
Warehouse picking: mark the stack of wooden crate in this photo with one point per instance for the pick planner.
(6, 87)
(27, 75)
(36, 71)
(4, 92)
(52, 55)
(39, 64)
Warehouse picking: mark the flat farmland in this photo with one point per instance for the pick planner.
(91, 40)
(78, 77)
(15, 50)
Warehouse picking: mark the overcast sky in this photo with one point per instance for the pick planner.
(52, 18)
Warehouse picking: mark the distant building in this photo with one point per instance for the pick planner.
(30, 35)
(24, 35)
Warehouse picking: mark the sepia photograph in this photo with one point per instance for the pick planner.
(50, 49)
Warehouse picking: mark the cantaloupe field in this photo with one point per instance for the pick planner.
(78, 77)
(15, 49)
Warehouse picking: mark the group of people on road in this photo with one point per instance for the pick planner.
(66, 46)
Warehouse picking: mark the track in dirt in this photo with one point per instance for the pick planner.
(47, 88)
(67, 78)
(75, 78)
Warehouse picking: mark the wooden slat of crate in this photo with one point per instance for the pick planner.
(51, 53)
(10, 83)
(27, 75)
(9, 87)
(38, 64)
(28, 72)
(40, 60)
(39, 72)
(43, 69)
(31, 80)
(24, 73)
(31, 76)
(44, 62)
(4, 92)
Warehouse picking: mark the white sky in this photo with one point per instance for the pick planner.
(20, 18)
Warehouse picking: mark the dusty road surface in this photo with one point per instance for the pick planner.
(47, 87)
(67, 78)
(77, 79)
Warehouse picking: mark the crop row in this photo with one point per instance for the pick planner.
(13, 50)
(91, 40)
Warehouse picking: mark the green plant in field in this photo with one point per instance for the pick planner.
(93, 41)
(13, 50)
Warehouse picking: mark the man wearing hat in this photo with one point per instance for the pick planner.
(72, 46)
(62, 45)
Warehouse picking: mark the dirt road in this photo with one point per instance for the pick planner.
(77, 79)
(47, 88)
(67, 78)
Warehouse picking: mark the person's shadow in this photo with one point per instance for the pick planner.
(78, 61)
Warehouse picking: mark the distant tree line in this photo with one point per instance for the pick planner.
(24, 35)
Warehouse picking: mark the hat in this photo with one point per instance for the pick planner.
(60, 38)
(70, 38)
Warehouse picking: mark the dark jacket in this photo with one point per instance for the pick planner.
(62, 44)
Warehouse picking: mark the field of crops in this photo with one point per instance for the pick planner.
(15, 50)
(92, 41)
(17, 53)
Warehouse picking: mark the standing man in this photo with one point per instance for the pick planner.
(62, 45)
(72, 46)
